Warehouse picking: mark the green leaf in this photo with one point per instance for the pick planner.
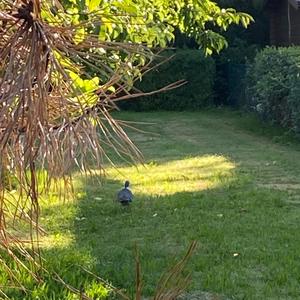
(93, 5)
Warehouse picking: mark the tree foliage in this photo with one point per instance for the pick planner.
(153, 21)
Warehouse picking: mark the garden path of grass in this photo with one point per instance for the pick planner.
(207, 177)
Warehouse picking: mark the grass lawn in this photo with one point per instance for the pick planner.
(208, 176)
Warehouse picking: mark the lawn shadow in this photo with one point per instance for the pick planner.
(106, 233)
(233, 222)
(248, 234)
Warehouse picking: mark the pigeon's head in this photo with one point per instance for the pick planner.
(126, 184)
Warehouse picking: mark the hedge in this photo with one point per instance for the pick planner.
(273, 86)
(191, 65)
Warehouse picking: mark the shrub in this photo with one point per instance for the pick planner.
(273, 86)
(230, 72)
(191, 65)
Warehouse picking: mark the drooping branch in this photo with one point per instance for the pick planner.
(50, 120)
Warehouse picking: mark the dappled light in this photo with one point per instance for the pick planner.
(190, 174)
(211, 188)
(58, 240)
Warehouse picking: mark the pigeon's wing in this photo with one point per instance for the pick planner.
(119, 195)
(130, 195)
(125, 195)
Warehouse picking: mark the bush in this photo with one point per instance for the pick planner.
(230, 72)
(273, 86)
(191, 65)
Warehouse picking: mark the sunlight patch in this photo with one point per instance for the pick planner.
(185, 175)
(57, 241)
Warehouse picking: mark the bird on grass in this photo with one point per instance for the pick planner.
(125, 195)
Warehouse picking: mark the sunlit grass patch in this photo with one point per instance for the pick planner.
(58, 240)
(185, 175)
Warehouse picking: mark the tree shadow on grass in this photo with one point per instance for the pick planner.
(234, 222)
(237, 226)
(106, 233)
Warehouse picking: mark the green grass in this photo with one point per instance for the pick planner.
(217, 177)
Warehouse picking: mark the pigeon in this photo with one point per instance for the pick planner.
(125, 196)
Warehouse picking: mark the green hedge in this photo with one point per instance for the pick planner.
(191, 65)
(273, 86)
